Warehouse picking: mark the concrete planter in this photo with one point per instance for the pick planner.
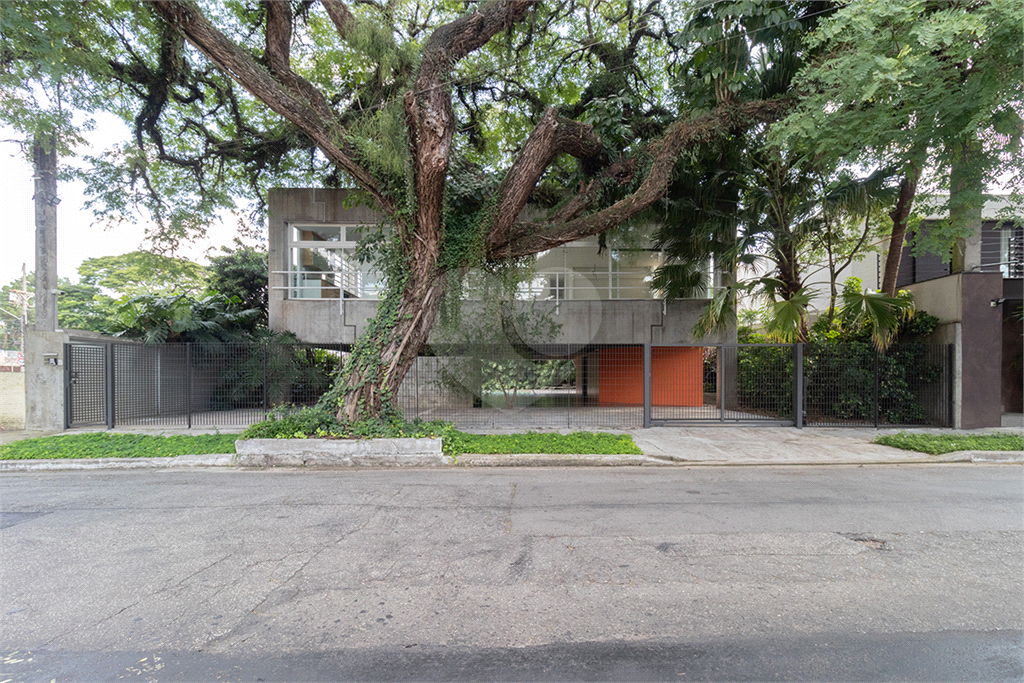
(340, 453)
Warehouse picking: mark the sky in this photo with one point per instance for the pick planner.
(78, 237)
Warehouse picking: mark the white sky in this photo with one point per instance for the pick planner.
(77, 237)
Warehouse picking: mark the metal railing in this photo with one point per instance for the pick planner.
(853, 384)
(557, 286)
(123, 383)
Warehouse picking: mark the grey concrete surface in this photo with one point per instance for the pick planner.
(44, 381)
(340, 453)
(840, 573)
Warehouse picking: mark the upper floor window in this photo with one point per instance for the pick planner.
(322, 263)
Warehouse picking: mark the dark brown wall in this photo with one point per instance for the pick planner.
(1013, 363)
(982, 327)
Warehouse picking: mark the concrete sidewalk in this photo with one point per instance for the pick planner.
(661, 446)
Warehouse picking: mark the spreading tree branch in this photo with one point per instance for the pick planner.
(197, 29)
(533, 237)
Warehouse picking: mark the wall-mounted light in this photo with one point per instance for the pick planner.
(996, 302)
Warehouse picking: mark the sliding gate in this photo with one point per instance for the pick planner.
(723, 384)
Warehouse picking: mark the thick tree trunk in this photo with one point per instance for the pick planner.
(381, 360)
(966, 186)
(899, 216)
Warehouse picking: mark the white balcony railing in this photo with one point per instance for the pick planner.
(556, 286)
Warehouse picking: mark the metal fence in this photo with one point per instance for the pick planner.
(523, 387)
(129, 384)
(854, 384)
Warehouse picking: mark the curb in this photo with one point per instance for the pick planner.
(996, 456)
(560, 460)
(312, 461)
(176, 462)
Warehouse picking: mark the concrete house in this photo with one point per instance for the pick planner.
(599, 297)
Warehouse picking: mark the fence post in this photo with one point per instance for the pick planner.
(798, 385)
(67, 386)
(875, 392)
(647, 385)
(188, 382)
(109, 377)
(568, 396)
(950, 384)
(265, 385)
(719, 380)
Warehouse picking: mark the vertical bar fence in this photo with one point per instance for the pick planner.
(519, 387)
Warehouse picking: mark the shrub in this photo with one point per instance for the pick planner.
(290, 422)
(317, 422)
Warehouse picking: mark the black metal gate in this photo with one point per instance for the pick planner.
(723, 384)
(86, 374)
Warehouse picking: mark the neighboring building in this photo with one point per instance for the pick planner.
(980, 311)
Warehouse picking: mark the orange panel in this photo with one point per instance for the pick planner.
(621, 375)
(677, 376)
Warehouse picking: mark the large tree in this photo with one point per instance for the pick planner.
(450, 117)
(932, 86)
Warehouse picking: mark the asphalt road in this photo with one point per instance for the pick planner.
(773, 573)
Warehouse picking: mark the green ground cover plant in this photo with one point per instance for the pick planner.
(312, 423)
(318, 422)
(534, 442)
(937, 444)
(117, 445)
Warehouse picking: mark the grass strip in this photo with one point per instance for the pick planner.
(577, 443)
(117, 445)
(937, 444)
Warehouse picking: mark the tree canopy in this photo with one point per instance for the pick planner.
(448, 116)
(921, 85)
(142, 272)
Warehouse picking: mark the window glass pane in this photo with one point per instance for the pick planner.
(314, 274)
(316, 233)
(318, 273)
(353, 234)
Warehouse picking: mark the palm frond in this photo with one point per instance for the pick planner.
(883, 314)
(786, 317)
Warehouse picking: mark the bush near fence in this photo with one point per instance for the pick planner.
(840, 368)
(764, 381)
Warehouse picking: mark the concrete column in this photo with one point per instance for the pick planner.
(44, 380)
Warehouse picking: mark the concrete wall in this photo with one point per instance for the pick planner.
(44, 382)
(617, 321)
(12, 400)
(962, 302)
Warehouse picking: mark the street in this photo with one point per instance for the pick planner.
(704, 573)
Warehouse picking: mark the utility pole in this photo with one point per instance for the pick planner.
(44, 159)
(20, 298)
